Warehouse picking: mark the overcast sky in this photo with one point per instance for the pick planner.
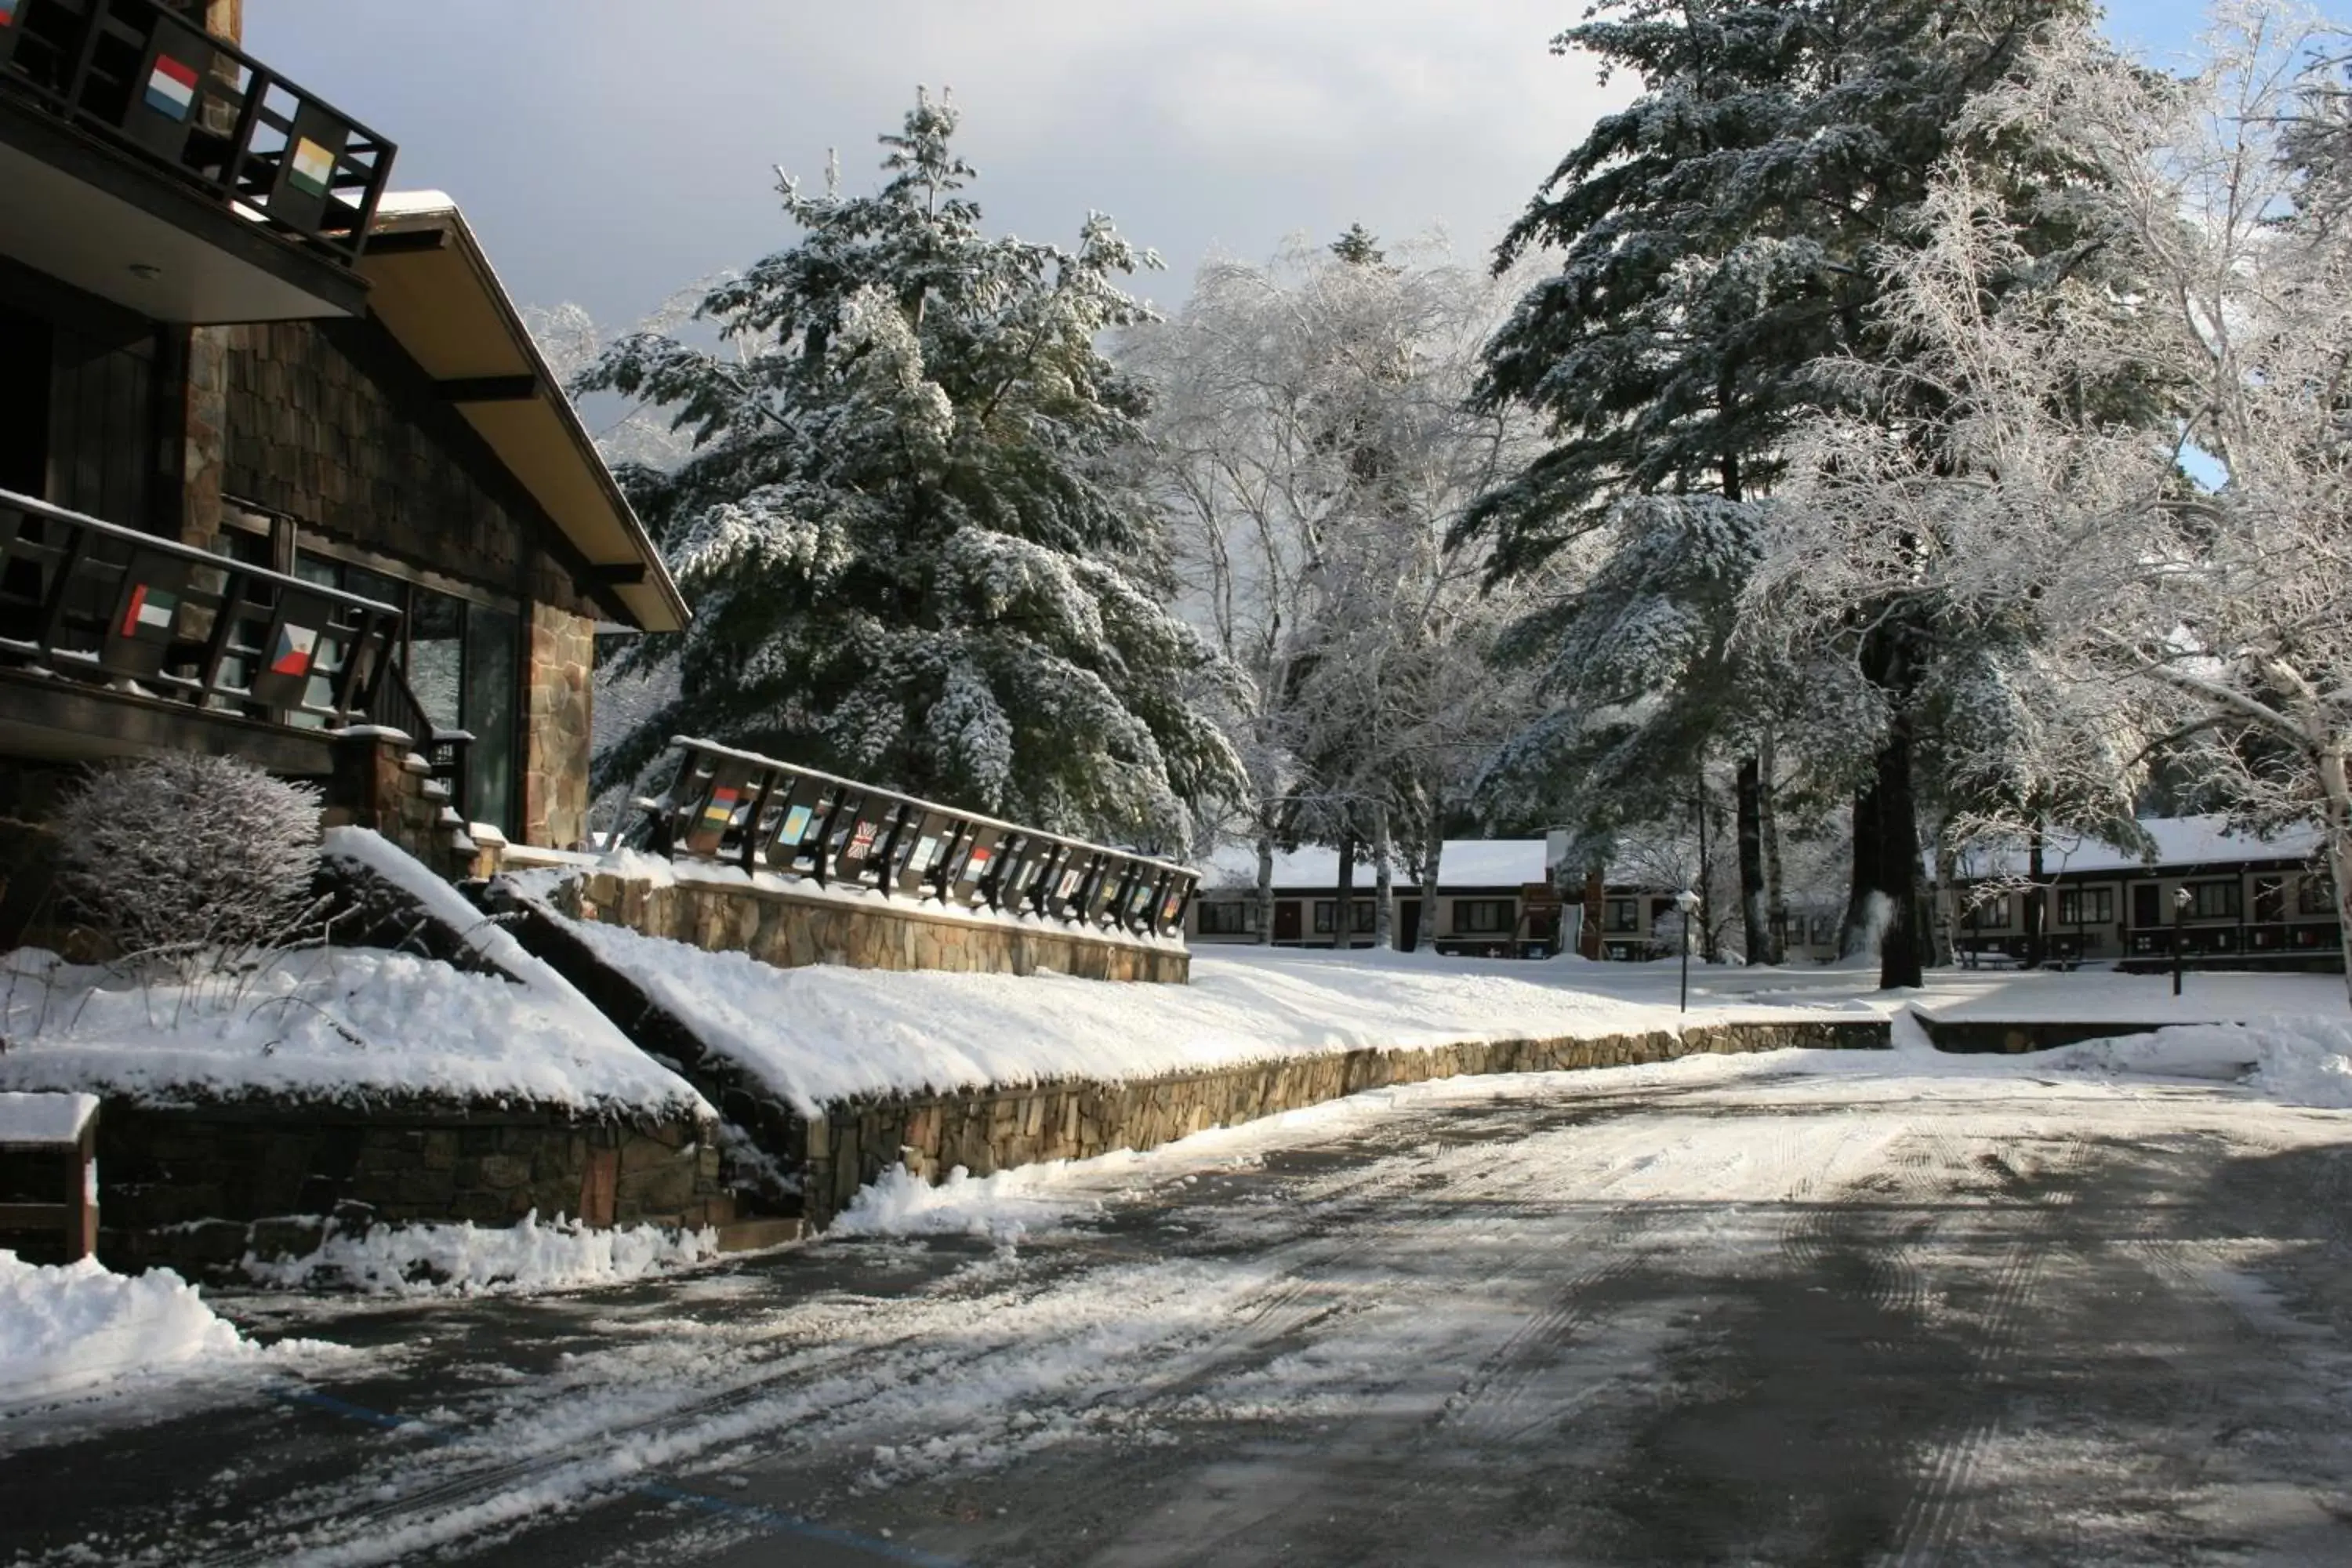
(610, 151)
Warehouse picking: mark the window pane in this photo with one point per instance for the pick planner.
(491, 694)
(437, 658)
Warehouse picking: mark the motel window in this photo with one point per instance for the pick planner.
(1824, 929)
(2315, 896)
(1989, 914)
(2086, 906)
(2213, 900)
(1326, 911)
(1622, 915)
(1482, 917)
(1231, 918)
(2270, 900)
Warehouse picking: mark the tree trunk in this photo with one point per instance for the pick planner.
(1433, 855)
(2335, 794)
(1858, 938)
(1596, 909)
(1708, 950)
(1343, 914)
(1755, 892)
(1265, 886)
(1383, 880)
(1898, 861)
(2033, 910)
(1942, 928)
(1776, 890)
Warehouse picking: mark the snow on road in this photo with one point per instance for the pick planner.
(1778, 1309)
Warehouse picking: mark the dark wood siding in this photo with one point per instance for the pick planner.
(103, 430)
(331, 424)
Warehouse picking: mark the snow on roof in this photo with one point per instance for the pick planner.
(2179, 841)
(1466, 863)
(44, 1117)
(393, 202)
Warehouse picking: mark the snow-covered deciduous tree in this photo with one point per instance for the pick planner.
(1315, 451)
(913, 526)
(2133, 457)
(189, 863)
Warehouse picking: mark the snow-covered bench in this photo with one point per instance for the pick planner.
(49, 1143)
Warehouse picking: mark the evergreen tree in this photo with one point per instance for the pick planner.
(1718, 239)
(913, 526)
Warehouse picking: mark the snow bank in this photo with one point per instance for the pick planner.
(2296, 1061)
(68, 1329)
(1002, 1207)
(347, 1025)
(825, 1034)
(464, 1260)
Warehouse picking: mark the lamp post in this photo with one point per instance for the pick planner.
(1687, 902)
(2180, 899)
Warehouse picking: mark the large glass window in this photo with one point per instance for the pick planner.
(463, 661)
(1480, 917)
(2086, 906)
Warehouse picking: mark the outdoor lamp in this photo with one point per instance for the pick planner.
(1687, 902)
(2181, 899)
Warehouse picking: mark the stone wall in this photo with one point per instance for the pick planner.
(381, 782)
(792, 931)
(992, 1129)
(1978, 1036)
(197, 1188)
(557, 707)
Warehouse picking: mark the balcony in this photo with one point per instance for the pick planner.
(144, 161)
(114, 643)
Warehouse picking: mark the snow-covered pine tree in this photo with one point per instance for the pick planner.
(912, 528)
(1717, 239)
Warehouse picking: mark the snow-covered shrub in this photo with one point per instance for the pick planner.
(189, 861)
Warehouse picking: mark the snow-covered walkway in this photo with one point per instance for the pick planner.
(1797, 1308)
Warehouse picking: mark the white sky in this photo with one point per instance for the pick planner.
(610, 151)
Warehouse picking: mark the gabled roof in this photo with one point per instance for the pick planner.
(433, 289)
(2179, 841)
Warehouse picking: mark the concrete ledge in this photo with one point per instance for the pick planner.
(991, 1129)
(1990, 1037)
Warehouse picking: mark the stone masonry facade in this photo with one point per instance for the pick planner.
(792, 931)
(558, 705)
(197, 1188)
(994, 1129)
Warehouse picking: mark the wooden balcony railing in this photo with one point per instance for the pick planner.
(761, 815)
(87, 600)
(146, 79)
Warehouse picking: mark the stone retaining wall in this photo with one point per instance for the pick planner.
(991, 1129)
(1979, 1036)
(791, 932)
(197, 1188)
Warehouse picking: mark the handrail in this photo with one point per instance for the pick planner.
(83, 597)
(157, 84)
(728, 805)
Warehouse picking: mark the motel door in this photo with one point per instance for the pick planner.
(1285, 920)
(1408, 923)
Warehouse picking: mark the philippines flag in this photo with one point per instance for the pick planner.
(172, 88)
(292, 654)
(150, 609)
(721, 809)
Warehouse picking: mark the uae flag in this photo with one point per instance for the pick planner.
(151, 610)
(721, 810)
(171, 87)
(312, 168)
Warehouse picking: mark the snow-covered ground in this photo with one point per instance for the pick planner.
(1740, 1309)
(78, 1330)
(529, 1257)
(828, 1033)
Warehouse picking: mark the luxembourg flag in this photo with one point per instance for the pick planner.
(721, 809)
(292, 655)
(150, 609)
(172, 88)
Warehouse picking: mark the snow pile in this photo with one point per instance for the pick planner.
(337, 1024)
(825, 1034)
(1002, 1207)
(466, 1261)
(67, 1328)
(2297, 1061)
